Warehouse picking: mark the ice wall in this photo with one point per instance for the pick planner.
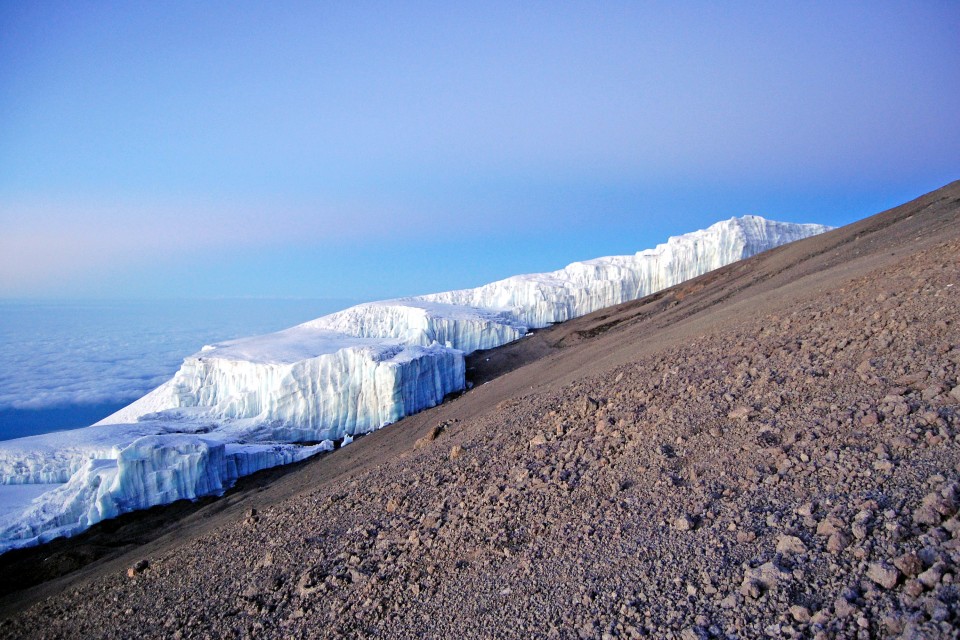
(423, 322)
(369, 365)
(239, 406)
(539, 299)
(150, 470)
(303, 384)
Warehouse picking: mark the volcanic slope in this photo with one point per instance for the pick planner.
(770, 450)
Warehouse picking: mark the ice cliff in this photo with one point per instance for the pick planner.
(537, 300)
(240, 406)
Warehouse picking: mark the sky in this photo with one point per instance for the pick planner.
(364, 150)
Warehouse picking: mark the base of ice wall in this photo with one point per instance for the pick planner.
(150, 471)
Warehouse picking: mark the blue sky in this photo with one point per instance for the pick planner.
(364, 149)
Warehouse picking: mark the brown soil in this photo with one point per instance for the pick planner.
(770, 450)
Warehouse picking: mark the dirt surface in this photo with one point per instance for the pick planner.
(770, 450)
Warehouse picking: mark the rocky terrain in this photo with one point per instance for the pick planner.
(771, 450)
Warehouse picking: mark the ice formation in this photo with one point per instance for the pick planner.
(537, 300)
(244, 405)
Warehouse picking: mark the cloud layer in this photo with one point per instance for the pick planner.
(55, 354)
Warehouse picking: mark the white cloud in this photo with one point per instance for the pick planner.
(55, 354)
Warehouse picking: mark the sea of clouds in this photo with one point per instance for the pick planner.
(70, 354)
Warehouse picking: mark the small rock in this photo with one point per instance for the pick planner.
(929, 556)
(693, 633)
(883, 574)
(913, 588)
(456, 451)
(893, 623)
(926, 514)
(729, 602)
(683, 523)
(843, 608)
(588, 406)
(800, 613)
(909, 564)
(943, 502)
(932, 392)
(751, 589)
(432, 435)
(838, 542)
(757, 581)
(746, 536)
(931, 577)
(538, 440)
(913, 378)
(859, 530)
(138, 568)
(883, 465)
(829, 526)
(307, 584)
(790, 545)
(951, 492)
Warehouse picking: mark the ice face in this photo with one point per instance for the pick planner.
(355, 389)
(423, 322)
(240, 406)
(150, 470)
(537, 300)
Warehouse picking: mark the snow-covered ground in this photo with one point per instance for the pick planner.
(240, 406)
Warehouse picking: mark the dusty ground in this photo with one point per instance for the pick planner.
(771, 450)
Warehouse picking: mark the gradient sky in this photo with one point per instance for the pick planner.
(365, 150)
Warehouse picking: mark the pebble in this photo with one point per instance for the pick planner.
(790, 545)
(138, 568)
(838, 542)
(883, 574)
(800, 613)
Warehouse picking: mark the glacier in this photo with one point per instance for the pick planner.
(248, 404)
